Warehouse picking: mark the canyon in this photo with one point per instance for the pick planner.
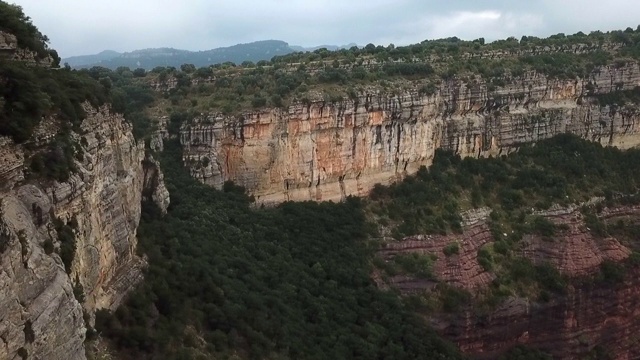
(228, 280)
(326, 150)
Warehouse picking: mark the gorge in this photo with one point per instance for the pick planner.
(445, 200)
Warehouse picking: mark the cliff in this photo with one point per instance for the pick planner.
(590, 314)
(99, 208)
(10, 50)
(327, 150)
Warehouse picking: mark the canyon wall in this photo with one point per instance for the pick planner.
(591, 314)
(101, 202)
(323, 150)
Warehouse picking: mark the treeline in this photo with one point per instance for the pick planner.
(342, 74)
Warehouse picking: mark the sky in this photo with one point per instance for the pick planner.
(78, 27)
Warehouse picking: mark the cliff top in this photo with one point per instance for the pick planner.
(39, 103)
(18, 26)
(341, 74)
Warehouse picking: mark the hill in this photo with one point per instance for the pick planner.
(169, 57)
(79, 61)
(328, 47)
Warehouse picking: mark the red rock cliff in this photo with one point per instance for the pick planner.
(590, 315)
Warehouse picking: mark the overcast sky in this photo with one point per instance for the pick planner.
(78, 27)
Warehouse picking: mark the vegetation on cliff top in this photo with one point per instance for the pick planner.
(14, 21)
(30, 93)
(342, 74)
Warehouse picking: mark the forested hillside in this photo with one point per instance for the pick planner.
(290, 282)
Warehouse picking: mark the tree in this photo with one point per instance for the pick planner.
(139, 72)
(188, 68)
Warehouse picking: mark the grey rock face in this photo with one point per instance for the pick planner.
(39, 314)
(155, 189)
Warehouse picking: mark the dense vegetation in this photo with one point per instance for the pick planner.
(32, 93)
(563, 170)
(294, 281)
(343, 74)
(14, 21)
(289, 282)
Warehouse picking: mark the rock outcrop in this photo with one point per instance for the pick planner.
(323, 150)
(574, 326)
(101, 203)
(154, 188)
(10, 50)
(592, 314)
(462, 270)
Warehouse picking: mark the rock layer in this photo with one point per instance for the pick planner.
(591, 314)
(328, 150)
(461, 269)
(569, 327)
(39, 314)
(10, 50)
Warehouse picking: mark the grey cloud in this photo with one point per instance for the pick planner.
(81, 26)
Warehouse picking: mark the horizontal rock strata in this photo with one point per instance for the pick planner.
(329, 150)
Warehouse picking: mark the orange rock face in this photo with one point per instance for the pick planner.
(326, 151)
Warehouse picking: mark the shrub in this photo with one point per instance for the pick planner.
(451, 249)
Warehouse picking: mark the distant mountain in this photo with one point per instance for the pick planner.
(150, 58)
(328, 47)
(76, 61)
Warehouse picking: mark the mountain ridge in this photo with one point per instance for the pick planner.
(149, 58)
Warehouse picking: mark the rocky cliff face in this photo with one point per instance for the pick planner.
(9, 49)
(328, 150)
(572, 327)
(100, 203)
(590, 315)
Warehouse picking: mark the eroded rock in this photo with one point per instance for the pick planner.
(328, 150)
(101, 202)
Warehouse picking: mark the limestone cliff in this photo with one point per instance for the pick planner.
(323, 150)
(100, 203)
(9, 49)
